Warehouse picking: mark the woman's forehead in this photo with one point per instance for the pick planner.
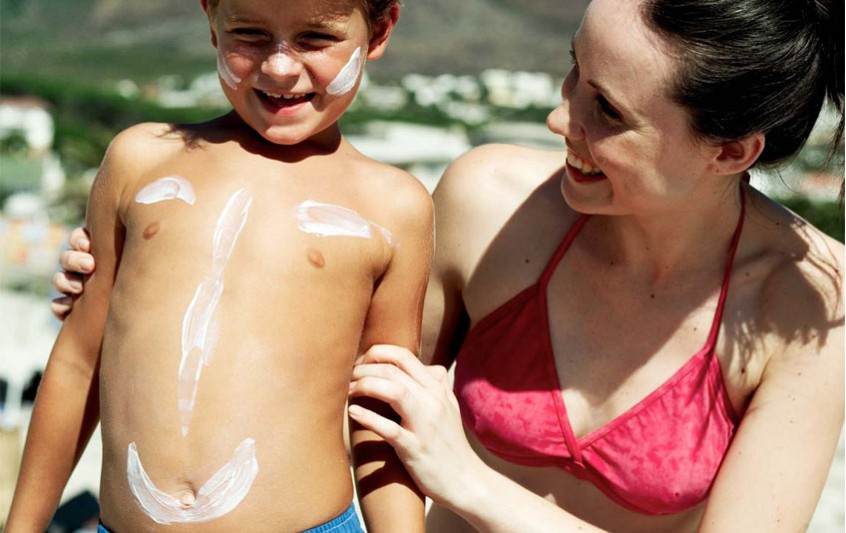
(617, 49)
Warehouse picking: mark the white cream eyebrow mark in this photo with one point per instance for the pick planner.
(220, 494)
(330, 220)
(168, 188)
(346, 78)
(226, 74)
(199, 332)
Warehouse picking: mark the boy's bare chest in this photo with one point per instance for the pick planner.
(262, 224)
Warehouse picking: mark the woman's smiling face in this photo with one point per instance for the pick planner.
(630, 148)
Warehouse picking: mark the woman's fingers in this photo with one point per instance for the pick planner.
(403, 359)
(78, 262)
(400, 396)
(61, 306)
(67, 283)
(389, 430)
(79, 240)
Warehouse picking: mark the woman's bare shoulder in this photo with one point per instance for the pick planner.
(502, 165)
(492, 181)
(497, 198)
(801, 294)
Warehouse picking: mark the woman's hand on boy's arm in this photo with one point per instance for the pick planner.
(75, 263)
(390, 500)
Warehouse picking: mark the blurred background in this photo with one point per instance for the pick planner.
(457, 74)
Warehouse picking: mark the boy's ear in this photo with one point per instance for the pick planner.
(734, 157)
(381, 33)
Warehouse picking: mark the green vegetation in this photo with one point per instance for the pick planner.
(87, 118)
(827, 216)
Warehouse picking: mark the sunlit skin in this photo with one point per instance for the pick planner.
(295, 309)
(629, 304)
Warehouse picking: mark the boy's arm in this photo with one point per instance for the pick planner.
(66, 408)
(389, 499)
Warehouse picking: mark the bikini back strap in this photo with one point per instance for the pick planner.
(718, 315)
(562, 248)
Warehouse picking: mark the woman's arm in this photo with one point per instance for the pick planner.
(431, 443)
(776, 467)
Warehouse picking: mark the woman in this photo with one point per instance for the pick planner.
(642, 340)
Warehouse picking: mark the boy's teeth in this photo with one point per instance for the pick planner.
(282, 96)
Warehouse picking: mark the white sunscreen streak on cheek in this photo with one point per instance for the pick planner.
(169, 188)
(198, 327)
(219, 495)
(346, 78)
(226, 74)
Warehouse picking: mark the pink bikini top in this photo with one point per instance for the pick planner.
(659, 457)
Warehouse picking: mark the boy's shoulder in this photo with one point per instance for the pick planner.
(396, 190)
(142, 146)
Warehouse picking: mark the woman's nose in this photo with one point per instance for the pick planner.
(281, 64)
(563, 120)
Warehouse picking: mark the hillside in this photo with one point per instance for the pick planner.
(113, 39)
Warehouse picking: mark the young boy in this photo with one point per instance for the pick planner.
(242, 264)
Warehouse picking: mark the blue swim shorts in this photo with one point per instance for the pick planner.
(347, 522)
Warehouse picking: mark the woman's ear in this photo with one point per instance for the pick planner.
(734, 157)
(381, 33)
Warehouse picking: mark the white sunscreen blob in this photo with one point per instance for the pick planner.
(346, 78)
(330, 220)
(169, 188)
(280, 61)
(219, 495)
(199, 334)
(226, 74)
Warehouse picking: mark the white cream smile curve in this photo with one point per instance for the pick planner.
(219, 495)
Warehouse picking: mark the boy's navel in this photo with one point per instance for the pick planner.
(187, 499)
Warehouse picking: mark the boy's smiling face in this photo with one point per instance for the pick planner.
(290, 68)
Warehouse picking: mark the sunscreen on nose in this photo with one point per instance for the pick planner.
(280, 61)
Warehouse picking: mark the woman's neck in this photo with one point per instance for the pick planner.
(662, 246)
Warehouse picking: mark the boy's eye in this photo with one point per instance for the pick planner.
(314, 36)
(248, 33)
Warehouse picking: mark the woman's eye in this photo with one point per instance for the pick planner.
(607, 109)
(573, 60)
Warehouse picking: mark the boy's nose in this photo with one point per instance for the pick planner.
(281, 64)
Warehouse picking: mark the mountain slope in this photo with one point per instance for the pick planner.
(113, 39)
